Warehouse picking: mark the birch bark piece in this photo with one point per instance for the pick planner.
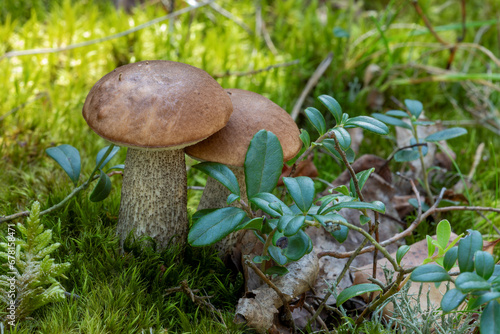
(156, 108)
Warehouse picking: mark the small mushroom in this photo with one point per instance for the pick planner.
(252, 113)
(156, 108)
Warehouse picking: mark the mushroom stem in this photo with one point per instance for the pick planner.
(215, 196)
(154, 196)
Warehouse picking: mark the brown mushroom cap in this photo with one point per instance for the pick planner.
(155, 104)
(252, 112)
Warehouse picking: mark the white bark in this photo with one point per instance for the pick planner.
(154, 196)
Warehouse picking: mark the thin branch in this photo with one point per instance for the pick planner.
(396, 237)
(12, 54)
(427, 22)
(310, 84)
(219, 9)
(21, 106)
(310, 309)
(276, 289)
(265, 69)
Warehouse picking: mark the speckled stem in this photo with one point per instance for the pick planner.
(215, 196)
(154, 196)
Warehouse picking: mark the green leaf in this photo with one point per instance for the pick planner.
(340, 234)
(333, 106)
(397, 113)
(283, 222)
(446, 134)
(120, 166)
(490, 318)
(484, 263)
(200, 213)
(260, 259)
(68, 158)
(452, 299)
(424, 123)
(363, 176)
(392, 121)
(263, 200)
(414, 107)
(110, 156)
(329, 144)
(443, 233)
(298, 245)
(413, 202)
(276, 270)
(341, 189)
(301, 189)
(406, 155)
(340, 33)
(231, 198)
(425, 149)
(431, 248)
(220, 173)
(278, 257)
(317, 119)
(364, 219)
(343, 137)
(401, 253)
(356, 290)
(467, 246)
(429, 273)
(450, 258)
(367, 123)
(468, 282)
(306, 139)
(294, 225)
(215, 226)
(487, 297)
(263, 163)
(102, 188)
(333, 218)
(375, 206)
(251, 224)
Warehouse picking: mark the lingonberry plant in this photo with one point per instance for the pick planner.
(280, 226)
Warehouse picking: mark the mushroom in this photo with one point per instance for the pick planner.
(156, 108)
(252, 113)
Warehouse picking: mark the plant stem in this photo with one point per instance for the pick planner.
(266, 246)
(424, 169)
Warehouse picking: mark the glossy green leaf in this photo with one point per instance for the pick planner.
(306, 139)
(484, 263)
(102, 188)
(367, 123)
(446, 134)
(215, 226)
(317, 119)
(401, 253)
(298, 246)
(263, 163)
(483, 299)
(200, 213)
(340, 189)
(339, 234)
(110, 156)
(325, 201)
(262, 201)
(443, 233)
(333, 218)
(294, 225)
(490, 318)
(450, 258)
(283, 221)
(468, 282)
(363, 176)
(343, 137)
(68, 158)
(397, 113)
(413, 202)
(414, 107)
(392, 121)
(431, 248)
(220, 173)
(429, 273)
(467, 247)
(356, 290)
(333, 106)
(329, 144)
(231, 198)
(120, 166)
(251, 224)
(260, 259)
(406, 155)
(301, 189)
(278, 257)
(375, 206)
(364, 219)
(276, 270)
(452, 299)
(424, 123)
